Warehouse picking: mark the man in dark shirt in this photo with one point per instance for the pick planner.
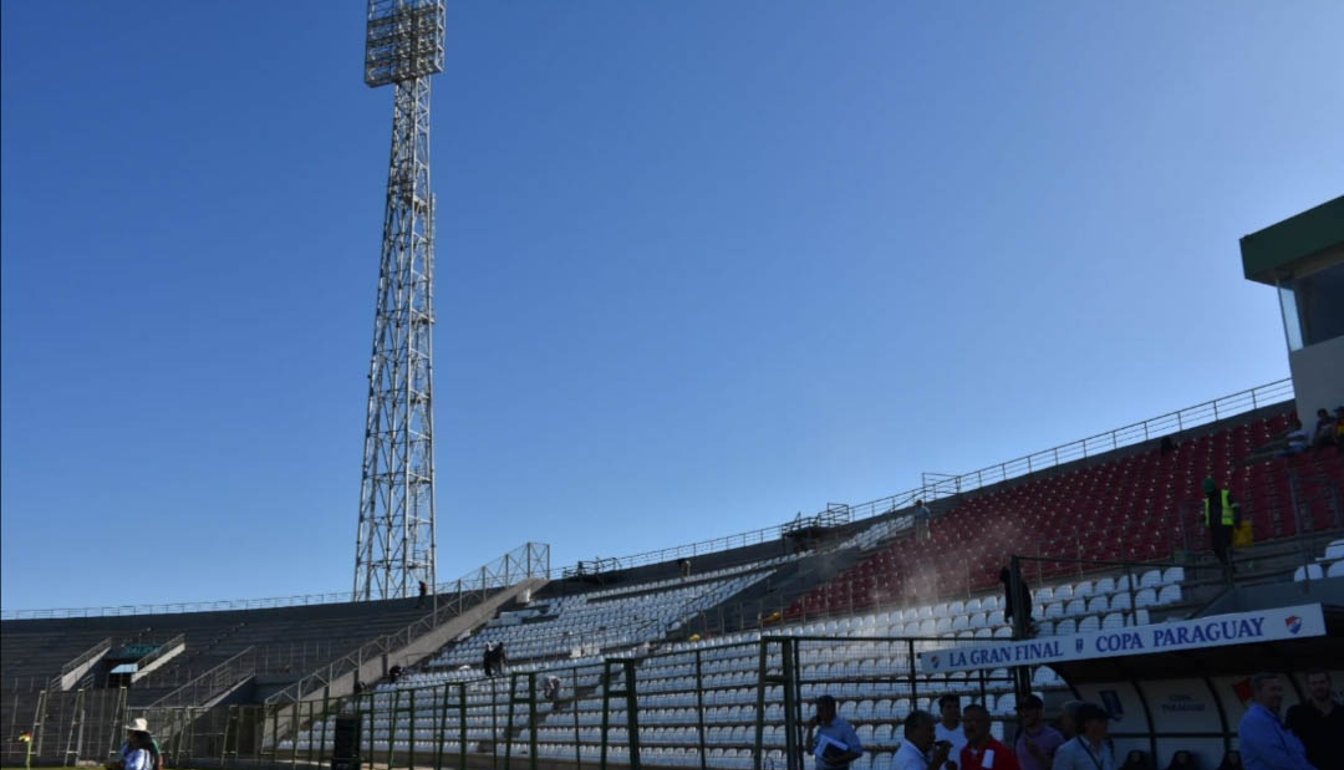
(1319, 723)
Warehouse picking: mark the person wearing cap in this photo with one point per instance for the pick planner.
(1220, 516)
(1090, 750)
(1036, 742)
(983, 751)
(831, 738)
(139, 750)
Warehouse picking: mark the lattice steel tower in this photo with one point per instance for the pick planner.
(395, 546)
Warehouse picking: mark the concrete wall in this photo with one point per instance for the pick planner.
(1318, 378)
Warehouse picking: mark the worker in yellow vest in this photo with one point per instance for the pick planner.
(1221, 514)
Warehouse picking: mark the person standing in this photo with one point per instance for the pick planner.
(1090, 750)
(831, 738)
(140, 751)
(1068, 718)
(982, 751)
(919, 750)
(949, 727)
(1324, 434)
(1017, 602)
(1264, 743)
(1036, 742)
(489, 660)
(1220, 516)
(923, 522)
(551, 689)
(1319, 723)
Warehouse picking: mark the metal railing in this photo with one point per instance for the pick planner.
(97, 650)
(212, 683)
(447, 607)
(934, 486)
(163, 650)
(533, 559)
(692, 706)
(1195, 416)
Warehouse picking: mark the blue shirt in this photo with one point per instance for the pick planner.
(135, 759)
(1266, 745)
(840, 731)
(1079, 754)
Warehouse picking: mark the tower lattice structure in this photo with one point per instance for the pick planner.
(395, 546)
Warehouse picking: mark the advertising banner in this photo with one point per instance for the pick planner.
(1213, 631)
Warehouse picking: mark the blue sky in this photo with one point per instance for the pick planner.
(701, 265)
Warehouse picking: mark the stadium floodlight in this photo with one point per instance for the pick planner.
(404, 41)
(395, 545)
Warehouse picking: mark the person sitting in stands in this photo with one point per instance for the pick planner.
(1297, 439)
(1324, 434)
(1182, 760)
(1137, 760)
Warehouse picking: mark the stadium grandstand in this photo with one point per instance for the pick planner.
(708, 655)
(705, 655)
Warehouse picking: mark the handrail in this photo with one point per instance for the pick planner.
(445, 609)
(948, 485)
(79, 660)
(1170, 423)
(934, 487)
(535, 564)
(530, 558)
(226, 674)
(161, 651)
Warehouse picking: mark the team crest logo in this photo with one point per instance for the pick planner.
(1294, 623)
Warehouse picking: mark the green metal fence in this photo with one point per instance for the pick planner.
(733, 706)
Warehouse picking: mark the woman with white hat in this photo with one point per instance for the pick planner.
(139, 751)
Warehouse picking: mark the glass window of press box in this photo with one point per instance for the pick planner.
(1313, 306)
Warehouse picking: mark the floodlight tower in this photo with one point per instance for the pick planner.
(394, 549)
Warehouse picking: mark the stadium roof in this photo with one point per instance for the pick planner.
(1282, 249)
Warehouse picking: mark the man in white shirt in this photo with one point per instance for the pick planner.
(950, 728)
(919, 751)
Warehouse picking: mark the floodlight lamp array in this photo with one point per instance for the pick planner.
(404, 40)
